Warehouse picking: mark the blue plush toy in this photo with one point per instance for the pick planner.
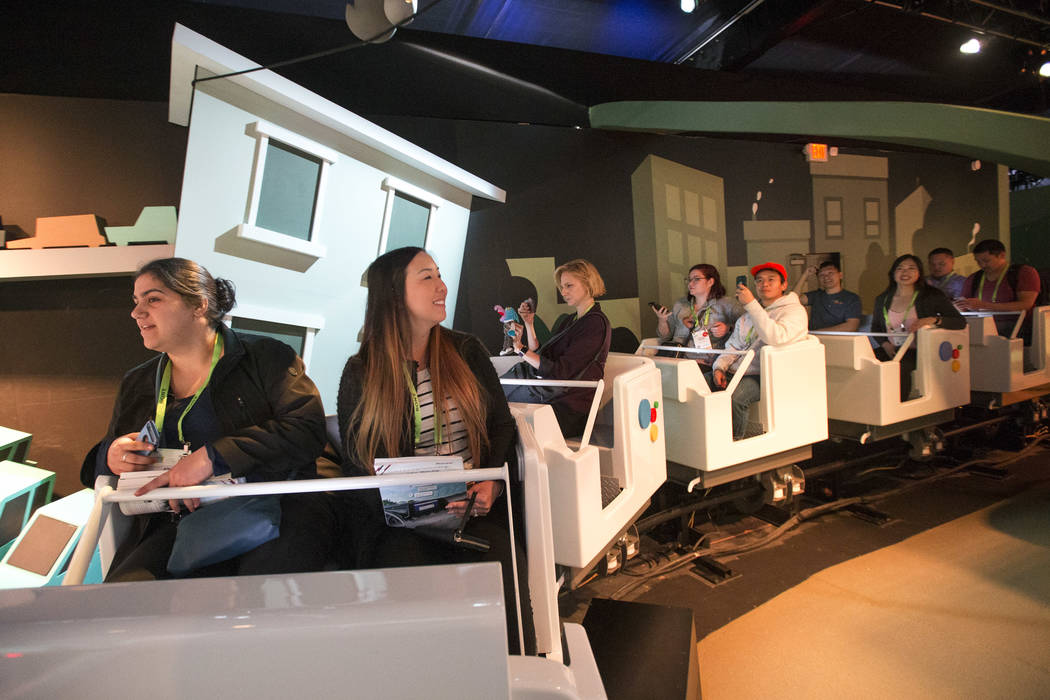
(508, 316)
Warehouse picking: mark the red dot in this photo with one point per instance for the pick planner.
(955, 354)
(652, 416)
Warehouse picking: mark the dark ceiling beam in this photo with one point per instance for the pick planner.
(1011, 11)
(978, 28)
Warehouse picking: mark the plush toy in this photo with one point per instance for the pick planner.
(507, 316)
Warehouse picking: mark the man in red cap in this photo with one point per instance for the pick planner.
(774, 318)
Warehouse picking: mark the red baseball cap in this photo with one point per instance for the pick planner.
(775, 267)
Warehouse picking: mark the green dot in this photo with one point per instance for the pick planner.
(656, 404)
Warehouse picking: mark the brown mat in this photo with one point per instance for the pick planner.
(959, 611)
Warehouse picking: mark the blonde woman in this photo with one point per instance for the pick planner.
(576, 350)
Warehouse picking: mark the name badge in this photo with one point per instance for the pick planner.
(702, 339)
(168, 458)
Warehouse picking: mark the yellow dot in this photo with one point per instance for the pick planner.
(653, 432)
(955, 365)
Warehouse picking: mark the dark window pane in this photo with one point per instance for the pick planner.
(292, 336)
(408, 222)
(288, 198)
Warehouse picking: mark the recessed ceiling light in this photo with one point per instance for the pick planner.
(688, 5)
(1044, 70)
(971, 46)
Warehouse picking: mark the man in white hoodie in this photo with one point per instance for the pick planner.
(775, 318)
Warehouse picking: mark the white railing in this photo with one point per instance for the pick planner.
(107, 496)
(599, 388)
(903, 348)
(745, 362)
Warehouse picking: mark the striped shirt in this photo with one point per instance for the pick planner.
(453, 436)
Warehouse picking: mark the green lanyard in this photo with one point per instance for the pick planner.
(417, 414)
(886, 311)
(696, 318)
(995, 292)
(165, 384)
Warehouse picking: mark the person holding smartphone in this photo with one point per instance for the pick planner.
(773, 318)
(702, 318)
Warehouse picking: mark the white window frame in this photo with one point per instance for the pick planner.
(392, 185)
(296, 248)
(312, 323)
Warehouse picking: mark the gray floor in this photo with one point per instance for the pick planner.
(962, 610)
(951, 598)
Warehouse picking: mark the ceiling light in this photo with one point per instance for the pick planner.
(688, 6)
(1044, 70)
(971, 46)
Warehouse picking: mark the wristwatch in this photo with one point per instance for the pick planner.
(521, 353)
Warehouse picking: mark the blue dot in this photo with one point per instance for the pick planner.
(643, 414)
(945, 351)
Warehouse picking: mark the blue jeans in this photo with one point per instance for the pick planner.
(748, 391)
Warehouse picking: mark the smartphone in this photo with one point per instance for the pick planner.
(530, 304)
(149, 434)
(741, 279)
(654, 306)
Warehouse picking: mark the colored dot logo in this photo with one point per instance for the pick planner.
(947, 352)
(647, 418)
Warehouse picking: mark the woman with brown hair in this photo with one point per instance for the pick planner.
(703, 318)
(417, 388)
(231, 404)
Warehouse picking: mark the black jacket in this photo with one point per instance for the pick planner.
(930, 302)
(577, 350)
(272, 418)
(502, 433)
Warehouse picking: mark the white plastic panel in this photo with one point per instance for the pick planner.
(700, 422)
(861, 389)
(379, 633)
(998, 363)
(582, 529)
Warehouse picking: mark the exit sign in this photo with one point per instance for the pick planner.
(817, 152)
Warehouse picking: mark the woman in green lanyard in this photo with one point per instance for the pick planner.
(703, 318)
(909, 303)
(227, 404)
(417, 388)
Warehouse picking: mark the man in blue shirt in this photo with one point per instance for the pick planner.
(942, 273)
(831, 308)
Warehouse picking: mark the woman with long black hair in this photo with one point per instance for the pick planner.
(907, 304)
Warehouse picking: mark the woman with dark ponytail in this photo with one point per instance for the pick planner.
(233, 405)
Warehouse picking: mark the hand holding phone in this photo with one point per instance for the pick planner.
(741, 279)
(150, 434)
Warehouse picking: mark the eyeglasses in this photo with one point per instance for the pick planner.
(690, 280)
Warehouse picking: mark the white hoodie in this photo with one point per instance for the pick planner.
(781, 323)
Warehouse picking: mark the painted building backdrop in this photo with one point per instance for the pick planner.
(570, 193)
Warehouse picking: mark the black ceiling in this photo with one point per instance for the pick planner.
(546, 61)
